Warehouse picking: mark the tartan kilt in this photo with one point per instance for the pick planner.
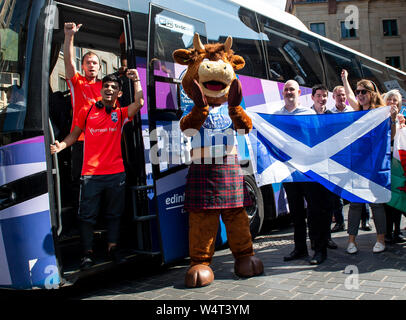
(215, 186)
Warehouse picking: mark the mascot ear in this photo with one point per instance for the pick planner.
(182, 56)
(237, 62)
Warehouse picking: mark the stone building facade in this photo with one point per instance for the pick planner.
(374, 27)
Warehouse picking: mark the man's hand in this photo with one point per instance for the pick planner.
(344, 75)
(235, 94)
(132, 74)
(56, 147)
(70, 28)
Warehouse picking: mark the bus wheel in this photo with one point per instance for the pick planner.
(256, 210)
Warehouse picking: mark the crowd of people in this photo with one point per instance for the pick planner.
(312, 206)
(322, 205)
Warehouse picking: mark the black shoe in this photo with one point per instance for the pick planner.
(318, 258)
(331, 244)
(87, 261)
(388, 239)
(295, 254)
(338, 227)
(366, 226)
(115, 255)
(397, 238)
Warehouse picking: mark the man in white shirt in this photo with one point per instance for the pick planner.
(291, 93)
(340, 98)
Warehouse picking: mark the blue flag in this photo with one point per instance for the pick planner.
(348, 153)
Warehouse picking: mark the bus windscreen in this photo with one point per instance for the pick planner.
(13, 35)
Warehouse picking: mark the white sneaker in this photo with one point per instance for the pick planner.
(378, 247)
(352, 248)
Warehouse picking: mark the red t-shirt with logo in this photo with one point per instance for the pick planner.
(83, 93)
(102, 146)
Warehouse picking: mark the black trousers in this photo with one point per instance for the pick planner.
(76, 171)
(110, 188)
(393, 218)
(318, 213)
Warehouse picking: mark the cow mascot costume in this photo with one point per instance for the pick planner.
(215, 183)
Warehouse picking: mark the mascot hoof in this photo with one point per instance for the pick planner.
(199, 275)
(248, 266)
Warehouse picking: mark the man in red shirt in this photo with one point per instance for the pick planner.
(103, 172)
(85, 90)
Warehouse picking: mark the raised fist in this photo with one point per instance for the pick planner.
(344, 74)
(70, 28)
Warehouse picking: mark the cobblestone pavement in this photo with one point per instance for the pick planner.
(363, 276)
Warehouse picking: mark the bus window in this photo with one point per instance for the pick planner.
(246, 44)
(170, 33)
(397, 81)
(13, 35)
(375, 72)
(291, 55)
(222, 19)
(337, 59)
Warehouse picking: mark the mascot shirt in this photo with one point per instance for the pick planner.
(217, 130)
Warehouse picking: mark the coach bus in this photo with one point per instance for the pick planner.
(39, 242)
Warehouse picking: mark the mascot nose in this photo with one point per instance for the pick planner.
(214, 67)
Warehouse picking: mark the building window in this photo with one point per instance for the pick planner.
(319, 28)
(62, 85)
(347, 33)
(390, 28)
(393, 61)
(78, 59)
(104, 68)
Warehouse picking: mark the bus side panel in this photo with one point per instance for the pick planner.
(27, 253)
(174, 220)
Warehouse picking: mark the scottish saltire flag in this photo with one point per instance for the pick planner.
(348, 153)
(398, 176)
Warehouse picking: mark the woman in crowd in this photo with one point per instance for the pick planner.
(393, 98)
(366, 97)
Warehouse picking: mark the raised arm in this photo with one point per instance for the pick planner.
(348, 91)
(70, 28)
(134, 107)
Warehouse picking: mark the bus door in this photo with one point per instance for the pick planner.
(108, 32)
(27, 250)
(169, 148)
